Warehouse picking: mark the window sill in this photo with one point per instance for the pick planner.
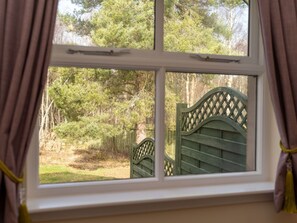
(92, 205)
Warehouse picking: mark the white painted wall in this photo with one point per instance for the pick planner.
(244, 213)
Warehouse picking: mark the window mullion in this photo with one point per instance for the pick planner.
(159, 25)
(160, 124)
(254, 32)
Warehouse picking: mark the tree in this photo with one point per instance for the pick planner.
(125, 99)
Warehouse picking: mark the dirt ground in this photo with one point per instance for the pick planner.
(83, 158)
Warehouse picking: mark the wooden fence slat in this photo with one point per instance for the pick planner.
(192, 169)
(147, 162)
(223, 144)
(210, 168)
(141, 172)
(237, 158)
(209, 150)
(213, 160)
(135, 174)
(219, 126)
(232, 136)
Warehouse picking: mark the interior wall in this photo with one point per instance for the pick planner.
(262, 212)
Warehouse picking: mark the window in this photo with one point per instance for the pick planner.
(121, 73)
(209, 129)
(89, 120)
(218, 27)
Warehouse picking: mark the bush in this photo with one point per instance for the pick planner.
(86, 129)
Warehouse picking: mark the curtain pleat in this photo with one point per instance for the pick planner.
(26, 32)
(279, 30)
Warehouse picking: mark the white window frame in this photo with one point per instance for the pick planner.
(47, 198)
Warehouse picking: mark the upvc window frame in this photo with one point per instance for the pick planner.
(150, 189)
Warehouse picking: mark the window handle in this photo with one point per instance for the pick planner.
(211, 59)
(98, 52)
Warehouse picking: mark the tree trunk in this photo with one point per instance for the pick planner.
(187, 89)
(140, 132)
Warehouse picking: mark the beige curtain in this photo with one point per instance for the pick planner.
(279, 29)
(26, 30)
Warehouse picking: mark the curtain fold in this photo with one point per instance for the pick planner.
(26, 31)
(279, 29)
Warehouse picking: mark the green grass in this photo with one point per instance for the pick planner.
(60, 174)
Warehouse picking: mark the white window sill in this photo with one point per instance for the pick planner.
(91, 205)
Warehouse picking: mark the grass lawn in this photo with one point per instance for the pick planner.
(60, 174)
(65, 163)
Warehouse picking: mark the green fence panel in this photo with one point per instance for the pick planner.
(210, 138)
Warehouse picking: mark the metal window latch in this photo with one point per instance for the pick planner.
(210, 59)
(98, 52)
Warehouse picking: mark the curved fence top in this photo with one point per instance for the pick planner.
(145, 148)
(221, 102)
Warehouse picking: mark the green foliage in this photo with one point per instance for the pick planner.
(232, 3)
(98, 103)
(76, 94)
(86, 5)
(189, 25)
(170, 107)
(203, 26)
(181, 37)
(117, 24)
(87, 128)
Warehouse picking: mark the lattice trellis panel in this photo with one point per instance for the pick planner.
(168, 166)
(221, 101)
(146, 147)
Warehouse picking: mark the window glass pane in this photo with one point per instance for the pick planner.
(108, 23)
(207, 124)
(208, 27)
(89, 121)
